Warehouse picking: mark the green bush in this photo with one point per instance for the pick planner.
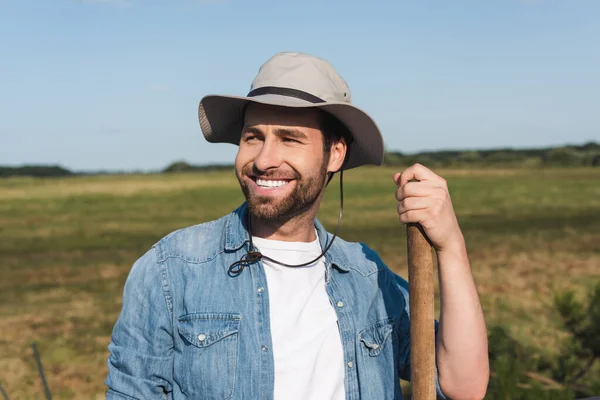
(519, 372)
(563, 157)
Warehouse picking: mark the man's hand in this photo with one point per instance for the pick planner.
(461, 347)
(428, 203)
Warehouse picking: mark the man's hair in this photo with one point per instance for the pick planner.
(333, 131)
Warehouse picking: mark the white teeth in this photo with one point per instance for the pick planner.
(270, 184)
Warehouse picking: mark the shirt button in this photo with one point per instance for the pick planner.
(350, 364)
(264, 348)
(201, 337)
(260, 289)
(340, 304)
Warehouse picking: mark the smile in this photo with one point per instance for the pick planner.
(270, 184)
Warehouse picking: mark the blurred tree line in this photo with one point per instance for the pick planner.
(41, 171)
(587, 155)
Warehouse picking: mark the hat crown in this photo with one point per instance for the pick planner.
(303, 72)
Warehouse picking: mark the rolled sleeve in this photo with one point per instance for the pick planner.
(140, 364)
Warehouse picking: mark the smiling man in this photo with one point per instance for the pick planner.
(264, 303)
(282, 166)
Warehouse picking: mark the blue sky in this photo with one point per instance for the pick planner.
(115, 84)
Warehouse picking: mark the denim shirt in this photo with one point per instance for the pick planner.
(189, 329)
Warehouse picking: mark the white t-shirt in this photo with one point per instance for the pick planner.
(307, 349)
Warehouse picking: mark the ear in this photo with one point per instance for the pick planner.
(337, 155)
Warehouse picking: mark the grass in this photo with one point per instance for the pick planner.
(66, 247)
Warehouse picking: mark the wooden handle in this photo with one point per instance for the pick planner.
(422, 334)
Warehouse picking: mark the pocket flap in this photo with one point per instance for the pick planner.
(204, 329)
(375, 337)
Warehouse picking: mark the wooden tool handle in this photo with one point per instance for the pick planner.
(422, 334)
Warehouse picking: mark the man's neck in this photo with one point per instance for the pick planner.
(298, 229)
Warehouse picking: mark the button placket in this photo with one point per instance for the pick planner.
(262, 321)
(347, 332)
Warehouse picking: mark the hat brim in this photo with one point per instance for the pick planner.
(222, 118)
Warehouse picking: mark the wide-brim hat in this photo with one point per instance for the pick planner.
(299, 81)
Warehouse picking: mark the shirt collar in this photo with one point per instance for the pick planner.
(236, 231)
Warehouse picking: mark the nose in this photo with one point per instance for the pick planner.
(268, 157)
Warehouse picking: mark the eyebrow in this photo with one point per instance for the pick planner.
(251, 129)
(288, 132)
(291, 132)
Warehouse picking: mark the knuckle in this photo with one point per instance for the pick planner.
(399, 195)
(405, 203)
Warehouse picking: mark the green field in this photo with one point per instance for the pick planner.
(66, 246)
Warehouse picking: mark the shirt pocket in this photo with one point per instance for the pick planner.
(379, 350)
(208, 360)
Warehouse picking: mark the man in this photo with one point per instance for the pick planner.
(264, 303)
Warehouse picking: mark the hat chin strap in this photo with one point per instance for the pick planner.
(253, 255)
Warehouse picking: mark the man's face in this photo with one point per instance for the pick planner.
(281, 164)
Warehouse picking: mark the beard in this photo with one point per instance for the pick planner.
(304, 195)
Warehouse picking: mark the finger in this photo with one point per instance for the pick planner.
(413, 216)
(417, 172)
(397, 178)
(414, 203)
(415, 189)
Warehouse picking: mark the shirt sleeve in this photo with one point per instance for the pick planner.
(404, 340)
(140, 363)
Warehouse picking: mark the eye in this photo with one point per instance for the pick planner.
(249, 137)
(290, 140)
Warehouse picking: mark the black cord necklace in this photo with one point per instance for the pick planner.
(253, 255)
